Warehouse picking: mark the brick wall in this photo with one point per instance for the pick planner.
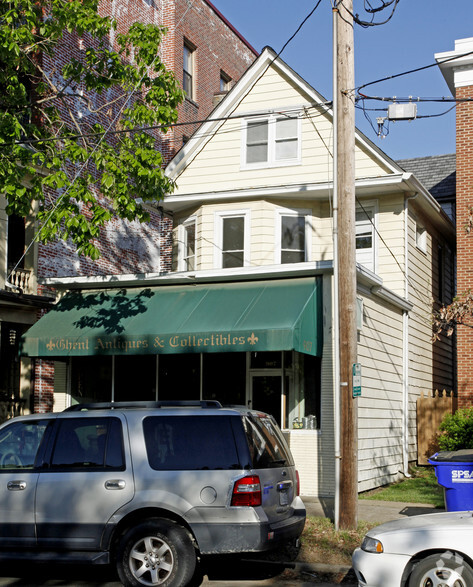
(131, 247)
(464, 240)
(217, 48)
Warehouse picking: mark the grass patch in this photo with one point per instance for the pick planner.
(321, 543)
(422, 487)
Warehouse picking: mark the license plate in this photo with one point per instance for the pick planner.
(283, 498)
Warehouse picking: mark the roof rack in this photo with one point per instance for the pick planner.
(204, 404)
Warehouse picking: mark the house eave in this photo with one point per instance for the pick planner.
(368, 186)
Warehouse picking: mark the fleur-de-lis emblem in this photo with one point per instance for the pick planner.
(253, 339)
(50, 346)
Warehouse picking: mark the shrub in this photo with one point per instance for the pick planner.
(457, 430)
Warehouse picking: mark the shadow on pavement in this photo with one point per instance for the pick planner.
(26, 574)
(219, 568)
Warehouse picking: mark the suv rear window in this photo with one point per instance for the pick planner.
(266, 443)
(182, 443)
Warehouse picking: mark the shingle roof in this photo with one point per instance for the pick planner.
(437, 173)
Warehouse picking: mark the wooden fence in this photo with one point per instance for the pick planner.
(430, 412)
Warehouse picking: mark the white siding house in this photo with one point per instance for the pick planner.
(263, 161)
(246, 315)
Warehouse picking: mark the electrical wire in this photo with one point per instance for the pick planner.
(355, 17)
(155, 127)
(408, 72)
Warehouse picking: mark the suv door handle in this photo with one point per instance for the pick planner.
(115, 484)
(16, 485)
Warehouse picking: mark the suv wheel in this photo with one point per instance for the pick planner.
(157, 552)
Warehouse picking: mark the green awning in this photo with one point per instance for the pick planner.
(224, 317)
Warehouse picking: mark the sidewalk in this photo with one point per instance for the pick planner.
(369, 510)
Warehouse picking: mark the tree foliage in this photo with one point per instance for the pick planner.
(460, 311)
(457, 430)
(74, 95)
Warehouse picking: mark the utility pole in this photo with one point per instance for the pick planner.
(345, 182)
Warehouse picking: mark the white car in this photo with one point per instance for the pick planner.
(433, 550)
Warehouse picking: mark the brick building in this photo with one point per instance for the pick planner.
(207, 55)
(457, 68)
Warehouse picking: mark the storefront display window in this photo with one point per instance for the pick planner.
(285, 384)
(135, 377)
(224, 377)
(179, 377)
(91, 379)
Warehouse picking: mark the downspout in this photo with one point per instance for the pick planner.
(405, 346)
(336, 318)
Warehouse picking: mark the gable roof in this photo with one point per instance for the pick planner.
(242, 88)
(437, 173)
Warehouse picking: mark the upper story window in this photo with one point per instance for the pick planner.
(292, 236)
(441, 273)
(271, 141)
(188, 78)
(225, 82)
(366, 236)
(421, 237)
(232, 239)
(187, 245)
(16, 241)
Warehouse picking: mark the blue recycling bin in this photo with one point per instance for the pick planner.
(454, 471)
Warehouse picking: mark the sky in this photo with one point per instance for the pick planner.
(417, 31)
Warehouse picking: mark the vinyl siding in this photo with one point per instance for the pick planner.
(217, 167)
(380, 405)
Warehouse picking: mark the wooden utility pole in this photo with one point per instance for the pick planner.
(345, 104)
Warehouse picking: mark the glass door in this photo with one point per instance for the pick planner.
(268, 395)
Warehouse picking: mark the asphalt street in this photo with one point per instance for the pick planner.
(226, 573)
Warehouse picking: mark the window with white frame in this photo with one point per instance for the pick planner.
(188, 70)
(365, 236)
(271, 141)
(232, 239)
(187, 245)
(292, 236)
(421, 237)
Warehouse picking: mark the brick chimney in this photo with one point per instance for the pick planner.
(458, 73)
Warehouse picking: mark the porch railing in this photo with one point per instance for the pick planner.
(19, 279)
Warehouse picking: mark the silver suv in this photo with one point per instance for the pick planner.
(149, 487)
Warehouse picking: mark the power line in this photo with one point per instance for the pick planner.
(371, 10)
(408, 72)
(155, 127)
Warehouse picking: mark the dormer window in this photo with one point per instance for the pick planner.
(271, 141)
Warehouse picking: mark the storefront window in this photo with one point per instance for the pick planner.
(266, 360)
(135, 378)
(179, 377)
(91, 379)
(224, 377)
(312, 387)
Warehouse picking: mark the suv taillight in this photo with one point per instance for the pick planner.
(247, 491)
(298, 483)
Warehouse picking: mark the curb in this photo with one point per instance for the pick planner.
(333, 573)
